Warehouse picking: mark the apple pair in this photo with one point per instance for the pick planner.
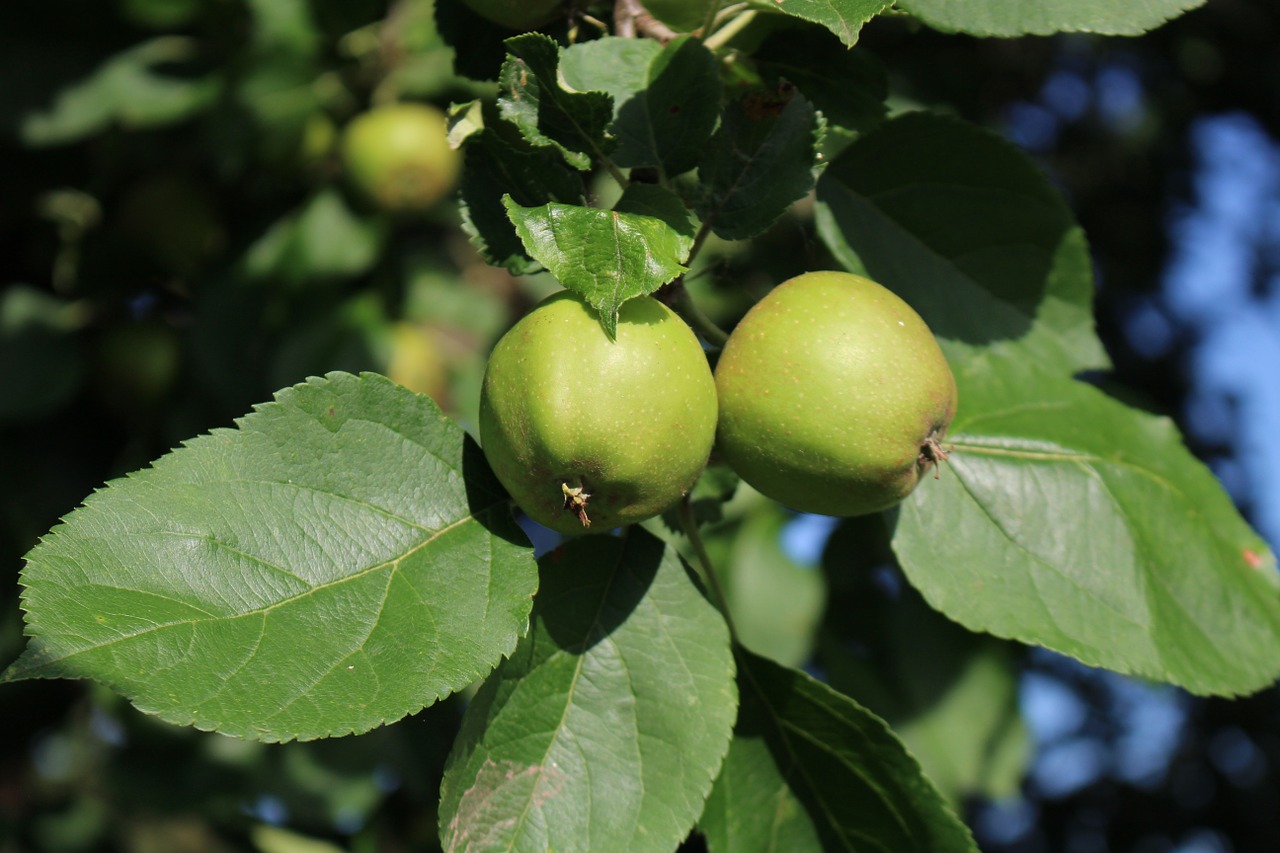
(831, 396)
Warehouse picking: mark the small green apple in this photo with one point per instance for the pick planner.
(834, 396)
(585, 431)
(516, 14)
(398, 157)
(415, 361)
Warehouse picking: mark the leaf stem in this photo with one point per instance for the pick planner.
(614, 171)
(690, 525)
(722, 36)
(681, 302)
(713, 9)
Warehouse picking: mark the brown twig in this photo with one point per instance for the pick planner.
(631, 18)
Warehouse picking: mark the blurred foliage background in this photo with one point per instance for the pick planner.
(177, 242)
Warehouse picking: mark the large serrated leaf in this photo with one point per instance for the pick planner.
(1069, 520)
(843, 17)
(606, 728)
(662, 204)
(607, 256)
(548, 114)
(665, 100)
(965, 228)
(759, 161)
(342, 558)
(1045, 17)
(499, 162)
(811, 770)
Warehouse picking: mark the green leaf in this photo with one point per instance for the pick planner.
(498, 161)
(965, 228)
(548, 114)
(606, 256)
(1069, 520)
(619, 67)
(657, 203)
(759, 161)
(665, 100)
(1045, 17)
(606, 727)
(322, 240)
(284, 29)
(342, 558)
(849, 86)
(811, 770)
(129, 89)
(843, 17)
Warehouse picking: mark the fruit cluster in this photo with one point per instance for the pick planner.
(831, 396)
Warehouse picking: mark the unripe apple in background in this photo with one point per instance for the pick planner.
(415, 361)
(834, 396)
(516, 14)
(585, 431)
(398, 157)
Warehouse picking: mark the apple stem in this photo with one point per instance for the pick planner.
(690, 526)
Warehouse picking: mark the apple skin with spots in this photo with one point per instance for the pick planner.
(629, 423)
(834, 396)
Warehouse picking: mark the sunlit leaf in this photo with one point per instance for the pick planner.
(843, 17)
(340, 559)
(1045, 17)
(605, 255)
(498, 162)
(811, 770)
(965, 228)
(1069, 520)
(606, 727)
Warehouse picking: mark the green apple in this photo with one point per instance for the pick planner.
(398, 157)
(415, 361)
(834, 396)
(585, 431)
(516, 14)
